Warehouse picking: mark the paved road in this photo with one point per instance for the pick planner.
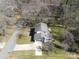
(9, 45)
(2, 45)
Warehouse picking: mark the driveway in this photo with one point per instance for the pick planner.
(9, 46)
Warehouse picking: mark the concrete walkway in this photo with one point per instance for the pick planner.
(21, 47)
(38, 48)
(24, 47)
(34, 46)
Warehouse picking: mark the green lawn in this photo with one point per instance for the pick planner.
(1, 37)
(23, 40)
(55, 54)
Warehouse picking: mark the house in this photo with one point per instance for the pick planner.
(42, 36)
(41, 27)
(42, 33)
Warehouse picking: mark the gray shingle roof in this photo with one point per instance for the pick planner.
(44, 34)
(41, 27)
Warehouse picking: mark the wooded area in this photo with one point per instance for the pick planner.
(62, 16)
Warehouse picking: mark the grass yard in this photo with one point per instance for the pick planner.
(7, 36)
(23, 40)
(24, 37)
(55, 54)
(1, 37)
